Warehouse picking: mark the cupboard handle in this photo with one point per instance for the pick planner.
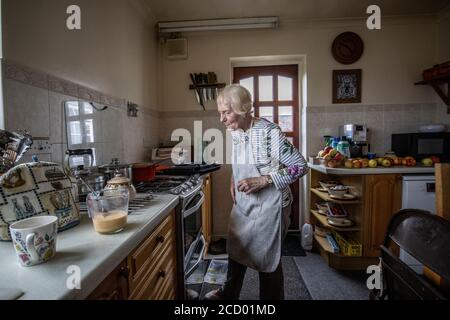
(161, 274)
(124, 272)
(160, 238)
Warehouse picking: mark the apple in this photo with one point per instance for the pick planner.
(321, 154)
(364, 163)
(338, 157)
(427, 162)
(348, 164)
(333, 153)
(328, 157)
(398, 161)
(435, 159)
(333, 163)
(356, 164)
(386, 162)
(409, 161)
(379, 161)
(373, 163)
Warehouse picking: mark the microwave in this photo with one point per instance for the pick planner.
(422, 145)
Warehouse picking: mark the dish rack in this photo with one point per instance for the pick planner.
(13, 145)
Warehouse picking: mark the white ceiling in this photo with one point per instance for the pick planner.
(171, 10)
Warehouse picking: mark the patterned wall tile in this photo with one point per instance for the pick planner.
(62, 86)
(25, 75)
(88, 94)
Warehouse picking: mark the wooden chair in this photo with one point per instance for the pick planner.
(425, 237)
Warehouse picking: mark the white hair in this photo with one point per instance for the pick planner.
(238, 98)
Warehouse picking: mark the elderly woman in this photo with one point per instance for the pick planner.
(264, 164)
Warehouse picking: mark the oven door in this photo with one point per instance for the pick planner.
(196, 255)
(192, 225)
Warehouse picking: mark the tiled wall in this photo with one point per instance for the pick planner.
(34, 101)
(382, 121)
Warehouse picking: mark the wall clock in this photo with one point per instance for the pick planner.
(347, 48)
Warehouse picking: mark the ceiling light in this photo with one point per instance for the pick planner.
(217, 24)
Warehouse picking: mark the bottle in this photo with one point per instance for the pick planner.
(307, 236)
(344, 148)
(335, 142)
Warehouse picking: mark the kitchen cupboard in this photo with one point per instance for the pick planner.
(207, 211)
(378, 198)
(148, 272)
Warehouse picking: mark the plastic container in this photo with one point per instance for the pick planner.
(109, 213)
(335, 142)
(307, 236)
(344, 148)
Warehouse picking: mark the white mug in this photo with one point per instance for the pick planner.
(34, 239)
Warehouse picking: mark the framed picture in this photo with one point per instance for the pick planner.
(347, 86)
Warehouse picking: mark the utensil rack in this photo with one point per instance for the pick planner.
(206, 87)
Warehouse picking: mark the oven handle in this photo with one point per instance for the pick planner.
(200, 257)
(196, 207)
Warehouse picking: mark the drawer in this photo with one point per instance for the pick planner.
(142, 259)
(164, 270)
(167, 290)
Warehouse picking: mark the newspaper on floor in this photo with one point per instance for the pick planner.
(197, 276)
(217, 272)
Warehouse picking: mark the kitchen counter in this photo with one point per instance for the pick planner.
(95, 254)
(378, 170)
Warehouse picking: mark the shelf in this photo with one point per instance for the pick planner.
(206, 86)
(341, 262)
(435, 83)
(326, 197)
(323, 220)
(438, 80)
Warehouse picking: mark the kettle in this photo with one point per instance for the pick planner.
(119, 183)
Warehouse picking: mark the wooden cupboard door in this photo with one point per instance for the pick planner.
(206, 210)
(382, 198)
(144, 257)
(115, 285)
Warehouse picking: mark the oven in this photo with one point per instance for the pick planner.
(194, 243)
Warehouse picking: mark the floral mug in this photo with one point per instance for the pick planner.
(34, 239)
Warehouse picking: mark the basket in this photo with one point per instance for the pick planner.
(349, 247)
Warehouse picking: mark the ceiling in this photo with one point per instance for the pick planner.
(172, 10)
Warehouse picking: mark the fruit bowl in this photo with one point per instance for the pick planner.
(328, 184)
(338, 191)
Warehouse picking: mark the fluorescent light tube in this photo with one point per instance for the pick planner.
(218, 24)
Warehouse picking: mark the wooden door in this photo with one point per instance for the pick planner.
(276, 98)
(115, 285)
(382, 198)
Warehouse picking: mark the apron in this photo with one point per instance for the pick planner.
(255, 227)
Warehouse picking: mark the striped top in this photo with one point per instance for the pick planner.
(274, 155)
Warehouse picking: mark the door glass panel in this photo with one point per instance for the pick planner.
(89, 130)
(265, 88)
(75, 132)
(286, 118)
(266, 113)
(285, 88)
(88, 108)
(248, 84)
(72, 108)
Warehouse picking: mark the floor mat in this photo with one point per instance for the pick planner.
(292, 245)
(326, 283)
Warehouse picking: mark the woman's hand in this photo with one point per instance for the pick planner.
(251, 185)
(232, 190)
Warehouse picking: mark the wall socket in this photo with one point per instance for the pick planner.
(40, 146)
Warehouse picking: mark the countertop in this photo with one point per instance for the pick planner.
(378, 170)
(95, 254)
